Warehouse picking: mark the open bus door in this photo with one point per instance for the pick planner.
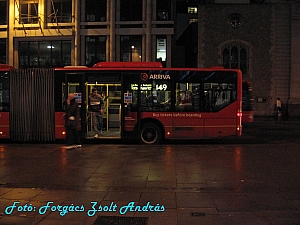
(110, 126)
(108, 85)
(131, 105)
(81, 84)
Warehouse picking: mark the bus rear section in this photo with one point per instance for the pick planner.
(183, 104)
(247, 102)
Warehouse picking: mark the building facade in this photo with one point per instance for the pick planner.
(55, 33)
(262, 38)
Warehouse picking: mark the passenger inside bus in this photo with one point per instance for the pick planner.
(186, 102)
(187, 98)
(222, 99)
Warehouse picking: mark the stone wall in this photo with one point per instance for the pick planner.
(265, 32)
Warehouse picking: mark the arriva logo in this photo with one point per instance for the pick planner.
(145, 77)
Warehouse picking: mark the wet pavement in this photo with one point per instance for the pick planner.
(254, 179)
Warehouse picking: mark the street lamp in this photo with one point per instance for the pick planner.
(131, 50)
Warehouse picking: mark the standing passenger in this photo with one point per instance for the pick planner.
(278, 104)
(71, 124)
(96, 108)
(278, 109)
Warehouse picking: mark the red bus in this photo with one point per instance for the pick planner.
(247, 102)
(143, 101)
(4, 101)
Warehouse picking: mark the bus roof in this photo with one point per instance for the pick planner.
(136, 66)
(128, 65)
(5, 67)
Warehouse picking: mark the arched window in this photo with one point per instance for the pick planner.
(235, 56)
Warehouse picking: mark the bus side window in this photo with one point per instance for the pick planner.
(155, 96)
(188, 97)
(210, 97)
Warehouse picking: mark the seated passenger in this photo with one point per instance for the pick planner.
(184, 104)
(187, 98)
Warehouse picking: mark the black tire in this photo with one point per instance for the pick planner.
(150, 133)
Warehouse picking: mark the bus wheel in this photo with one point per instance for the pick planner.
(150, 133)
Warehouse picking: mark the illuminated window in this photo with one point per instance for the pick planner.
(154, 95)
(206, 96)
(192, 10)
(44, 54)
(193, 20)
(131, 48)
(28, 12)
(161, 49)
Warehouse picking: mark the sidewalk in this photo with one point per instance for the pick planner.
(209, 184)
(269, 119)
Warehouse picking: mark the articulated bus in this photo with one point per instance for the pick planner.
(143, 101)
(4, 101)
(247, 103)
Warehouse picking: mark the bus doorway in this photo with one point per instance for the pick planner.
(81, 84)
(110, 121)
